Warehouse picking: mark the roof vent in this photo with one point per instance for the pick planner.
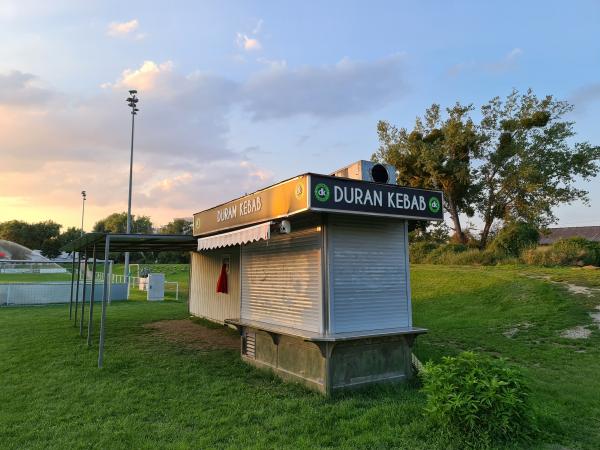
(368, 171)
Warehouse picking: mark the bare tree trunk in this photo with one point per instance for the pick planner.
(485, 234)
(458, 231)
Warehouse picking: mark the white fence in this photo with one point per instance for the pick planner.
(17, 266)
(55, 292)
(48, 292)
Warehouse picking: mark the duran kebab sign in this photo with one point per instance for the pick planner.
(363, 197)
(320, 193)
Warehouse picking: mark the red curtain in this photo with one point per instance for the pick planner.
(222, 282)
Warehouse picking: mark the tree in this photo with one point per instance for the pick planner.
(528, 164)
(30, 235)
(51, 248)
(117, 223)
(436, 154)
(177, 226)
(70, 235)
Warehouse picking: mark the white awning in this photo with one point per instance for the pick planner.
(249, 234)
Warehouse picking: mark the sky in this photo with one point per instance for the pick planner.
(235, 96)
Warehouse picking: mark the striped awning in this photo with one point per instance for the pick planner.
(249, 234)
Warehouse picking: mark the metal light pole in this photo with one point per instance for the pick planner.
(83, 195)
(132, 102)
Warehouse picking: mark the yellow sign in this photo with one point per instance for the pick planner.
(280, 200)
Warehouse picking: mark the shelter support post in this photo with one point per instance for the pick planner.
(77, 290)
(104, 301)
(72, 282)
(85, 266)
(92, 297)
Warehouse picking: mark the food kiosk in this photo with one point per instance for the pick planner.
(314, 273)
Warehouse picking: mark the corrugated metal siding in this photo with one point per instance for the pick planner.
(368, 276)
(281, 279)
(204, 299)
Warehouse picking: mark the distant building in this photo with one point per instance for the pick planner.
(555, 234)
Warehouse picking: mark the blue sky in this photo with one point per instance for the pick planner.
(237, 95)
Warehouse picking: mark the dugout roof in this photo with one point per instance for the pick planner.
(133, 242)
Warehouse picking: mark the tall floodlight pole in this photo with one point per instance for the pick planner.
(83, 195)
(132, 102)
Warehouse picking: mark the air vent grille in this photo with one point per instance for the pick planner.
(250, 348)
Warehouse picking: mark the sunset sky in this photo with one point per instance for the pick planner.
(237, 95)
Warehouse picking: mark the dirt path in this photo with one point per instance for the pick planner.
(580, 331)
(572, 288)
(194, 335)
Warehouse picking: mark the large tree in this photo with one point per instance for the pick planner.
(51, 247)
(30, 235)
(177, 226)
(117, 223)
(437, 153)
(529, 162)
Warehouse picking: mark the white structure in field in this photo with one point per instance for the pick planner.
(156, 286)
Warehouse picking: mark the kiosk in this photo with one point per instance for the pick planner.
(314, 273)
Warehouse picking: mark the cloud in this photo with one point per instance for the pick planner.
(273, 63)
(348, 87)
(180, 142)
(53, 149)
(22, 89)
(248, 43)
(257, 29)
(585, 96)
(508, 62)
(146, 77)
(504, 64)
(125, 29)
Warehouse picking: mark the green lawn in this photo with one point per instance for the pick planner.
(34, 277)
(153, 393)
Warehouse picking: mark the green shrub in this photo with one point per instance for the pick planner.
(456, 254)
(485, 257)
(479, 397)
(516, 237)
(566, 252)
(449, 248)
(419, 251)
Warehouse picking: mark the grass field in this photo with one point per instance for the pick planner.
(34, 277)
(173, 273)
(154, 393)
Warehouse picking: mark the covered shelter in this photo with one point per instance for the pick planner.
(96, 245)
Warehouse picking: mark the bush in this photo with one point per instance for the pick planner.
(445, 249)
(455, 254)
(477, 396)
(566, 252)
(485, 257)
(516, 237)
(419, 251)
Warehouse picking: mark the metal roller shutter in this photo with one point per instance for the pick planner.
(281, 279)
(368, 274)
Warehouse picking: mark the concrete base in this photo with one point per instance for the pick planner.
(328, 366)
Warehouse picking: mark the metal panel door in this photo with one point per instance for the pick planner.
(367, 273)
(281, 279)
